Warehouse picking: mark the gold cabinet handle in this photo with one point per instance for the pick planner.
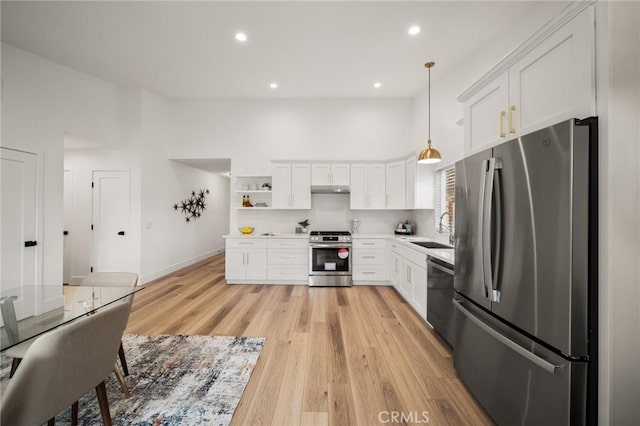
(511, 109)
(502, 114)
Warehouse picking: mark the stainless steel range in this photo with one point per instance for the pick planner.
(330, 259)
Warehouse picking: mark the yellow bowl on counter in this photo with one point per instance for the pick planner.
(246, 230)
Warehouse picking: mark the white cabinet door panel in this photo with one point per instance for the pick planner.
(281, 185)
(482, 115)
(300, 186)
(234, 264)
(321, 174)
(396, 185)
(555, 81)
(256, 264)
(376, 183)
(340, 174)
(359, 195)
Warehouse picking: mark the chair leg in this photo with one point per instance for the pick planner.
(101, 392)
(123, 361)
(74, 414)
(120, 377)
(15, 362)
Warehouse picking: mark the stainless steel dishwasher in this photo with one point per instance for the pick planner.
(440, 298)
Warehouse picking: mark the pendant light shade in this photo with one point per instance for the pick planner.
(429, 155)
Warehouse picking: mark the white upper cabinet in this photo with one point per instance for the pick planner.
(410, 166)
(396, 197)
(291, 185)
(485, 115)
(368, 186)
(330, 174)
(547, 79)
(420, 184)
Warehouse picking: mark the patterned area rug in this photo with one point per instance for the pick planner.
(176, 380)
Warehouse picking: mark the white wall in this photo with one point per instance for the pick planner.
(168, 242)
(618, 85)
(252, 132)
(41, 102)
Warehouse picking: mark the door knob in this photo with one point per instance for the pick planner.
(121, 233)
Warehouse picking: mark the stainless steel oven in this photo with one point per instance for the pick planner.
(330, 259)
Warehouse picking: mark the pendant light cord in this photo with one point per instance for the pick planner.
(429, 102)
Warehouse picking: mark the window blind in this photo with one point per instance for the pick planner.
(445, 194)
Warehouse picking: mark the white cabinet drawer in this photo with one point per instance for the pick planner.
(414, 256)
(246, 243)
(369, 243)
(288, 257)
(288, 243)
(369, 257)
(369, 273)
(287, 273)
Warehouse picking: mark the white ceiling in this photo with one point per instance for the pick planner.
(312, 49)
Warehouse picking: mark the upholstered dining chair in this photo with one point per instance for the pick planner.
(95, 279)
(113, 279)
(63, 365)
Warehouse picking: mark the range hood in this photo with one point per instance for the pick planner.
(330, 189)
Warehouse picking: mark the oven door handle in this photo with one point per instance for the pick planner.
(314, 245)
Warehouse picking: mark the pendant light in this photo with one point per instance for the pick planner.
(429, 155)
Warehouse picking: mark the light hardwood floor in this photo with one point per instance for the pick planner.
(333, 356)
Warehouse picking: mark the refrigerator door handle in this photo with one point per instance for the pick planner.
(481, 220)
(497, 223)
(487, 265)
(542, 363)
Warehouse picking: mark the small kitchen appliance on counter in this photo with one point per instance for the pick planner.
(405, 229)
(330, 259)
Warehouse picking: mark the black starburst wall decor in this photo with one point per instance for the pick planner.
(193, 206)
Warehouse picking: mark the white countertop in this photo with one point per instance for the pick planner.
(446, 255)
(271, 235)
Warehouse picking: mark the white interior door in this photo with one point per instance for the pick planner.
(68, 221)
(18, 231)
(111, 216)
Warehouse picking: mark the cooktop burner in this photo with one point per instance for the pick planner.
(330, 233)
(330, 236)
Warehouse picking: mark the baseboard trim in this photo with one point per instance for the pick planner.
(179, 265)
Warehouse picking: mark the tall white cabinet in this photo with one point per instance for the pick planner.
(291, 185)
(547, 79)
(396, 178)
(368, 185)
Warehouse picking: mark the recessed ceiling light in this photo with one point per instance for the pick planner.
(241, 37)
(414, 30)
(274, 85)
(377, 85)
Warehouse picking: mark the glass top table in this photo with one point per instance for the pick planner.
(72, 302)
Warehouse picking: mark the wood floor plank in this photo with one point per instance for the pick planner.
(333, 356)
(289, 402)
(316, 386)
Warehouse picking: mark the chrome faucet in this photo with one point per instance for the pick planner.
(440, 226)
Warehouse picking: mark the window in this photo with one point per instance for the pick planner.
(445, 197)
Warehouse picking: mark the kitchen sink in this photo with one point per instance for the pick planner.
(431, 244)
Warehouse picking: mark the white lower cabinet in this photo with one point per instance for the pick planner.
(369, 260)
(408, 274)
(416, 276)
(267, 260)
(245, 260)
(288, 261)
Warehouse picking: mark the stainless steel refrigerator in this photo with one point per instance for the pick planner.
(526, 276)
